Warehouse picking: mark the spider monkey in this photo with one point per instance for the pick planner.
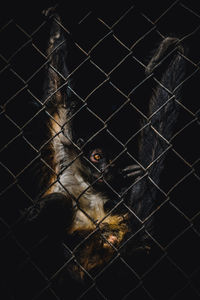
(75, 200)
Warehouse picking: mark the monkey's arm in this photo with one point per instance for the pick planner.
(51, 215)
(167, 67)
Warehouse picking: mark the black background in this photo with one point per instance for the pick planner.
(173, 270)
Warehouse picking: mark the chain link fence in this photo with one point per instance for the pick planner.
(110, 50)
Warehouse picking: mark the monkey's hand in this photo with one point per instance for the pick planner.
(167, 47)
(132, 172)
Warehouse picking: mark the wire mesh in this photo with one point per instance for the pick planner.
(110, 50)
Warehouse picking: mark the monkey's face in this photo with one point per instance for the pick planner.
(101, 161)
(99, 166)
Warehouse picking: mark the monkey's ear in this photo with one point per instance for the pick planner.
(165, 52)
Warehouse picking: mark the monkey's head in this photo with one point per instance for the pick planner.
(102, 167)
(99, 162)
(99, 165)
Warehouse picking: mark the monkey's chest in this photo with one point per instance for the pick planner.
(89, 212)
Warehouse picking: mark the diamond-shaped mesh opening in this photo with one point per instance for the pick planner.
(15, 261)
(17, 39)
(182, 26)
(108, 54)
(132, 71)
(128, 130)
(189, 85)
(107, 95)
(131, 20)
(138, 293)
(187, 292)
(10, 85)
(85, 85)
(19, 204)
(189, 241)
(169, 277)
(99, 151)
(7, 177)
(118, 290)
(145, 45)
(24, 101)
(11, 130)
(134, 258)
(26, 62)
(17, 163)
(166, 232)
(2, 63)
(189, 208)
(28, 273)
(90, 31)
(177, 175)
(186, 143)
(109, 15)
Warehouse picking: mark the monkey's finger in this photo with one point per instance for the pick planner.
(133, 174)
(132, 168)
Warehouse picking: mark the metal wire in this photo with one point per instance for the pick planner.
(112, 50)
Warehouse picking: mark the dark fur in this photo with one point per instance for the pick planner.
(74, 196)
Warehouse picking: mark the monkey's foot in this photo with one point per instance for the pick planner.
(113, 231)
(110, 240)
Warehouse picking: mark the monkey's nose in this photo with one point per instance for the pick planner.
(104, 170)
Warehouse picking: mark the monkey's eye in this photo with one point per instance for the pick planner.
(96, 156)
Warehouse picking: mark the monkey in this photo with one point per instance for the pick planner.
(77, 200)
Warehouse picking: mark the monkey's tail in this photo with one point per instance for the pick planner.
(167, 67)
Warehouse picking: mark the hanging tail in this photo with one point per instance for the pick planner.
(167, 67)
